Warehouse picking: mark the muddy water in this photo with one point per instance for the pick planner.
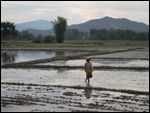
(130, 80)
(13, 56)
(102, 62)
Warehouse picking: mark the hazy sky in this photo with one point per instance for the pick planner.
(75, 11)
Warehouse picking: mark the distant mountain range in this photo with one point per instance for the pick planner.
(45, 27)
(108, 22)
(37, 24)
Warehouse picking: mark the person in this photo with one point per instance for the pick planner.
(88, 69)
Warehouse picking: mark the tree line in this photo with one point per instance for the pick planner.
(8, 32)
(117, 34)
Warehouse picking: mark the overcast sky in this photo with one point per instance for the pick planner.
(75, 11)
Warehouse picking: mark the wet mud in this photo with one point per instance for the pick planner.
(39, 98)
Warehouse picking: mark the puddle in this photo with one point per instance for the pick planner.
(101, 62)
(129, 80)
(13, 56)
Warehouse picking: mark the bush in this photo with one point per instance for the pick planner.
(49, 39)
(36, 40)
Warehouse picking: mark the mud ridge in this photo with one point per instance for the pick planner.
(75, 67)
(82, 87)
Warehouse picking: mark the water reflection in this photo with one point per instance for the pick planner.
(8, 57)
(60, 53)
(61, 70)
(13, 56)
(88, 90)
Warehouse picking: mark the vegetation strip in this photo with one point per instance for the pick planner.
(82, 87)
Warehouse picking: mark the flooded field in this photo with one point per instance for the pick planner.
(35, 90)
(129, 80)
(65, 90)
(140, 53)
(101, 62)
(13, 56)
(18, 98)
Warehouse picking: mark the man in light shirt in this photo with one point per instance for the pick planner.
(88, 69)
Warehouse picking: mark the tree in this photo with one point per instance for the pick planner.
(8, 28)
(93, 34)
(59, 27)
(72, 34)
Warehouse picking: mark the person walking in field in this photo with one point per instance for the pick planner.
(88, 69)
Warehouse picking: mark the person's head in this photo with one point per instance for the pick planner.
(88, 59)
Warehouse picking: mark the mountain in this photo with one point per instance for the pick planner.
(37, 24)
(45, 27)
(108, 22)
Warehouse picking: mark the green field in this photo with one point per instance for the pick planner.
(99, 44)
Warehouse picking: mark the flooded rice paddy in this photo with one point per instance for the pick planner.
(129, 80)
(14, 56)
(101, 62)
(65, 90)
(18, 98)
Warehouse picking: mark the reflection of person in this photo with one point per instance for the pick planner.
(88, 69)
(88, 90)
